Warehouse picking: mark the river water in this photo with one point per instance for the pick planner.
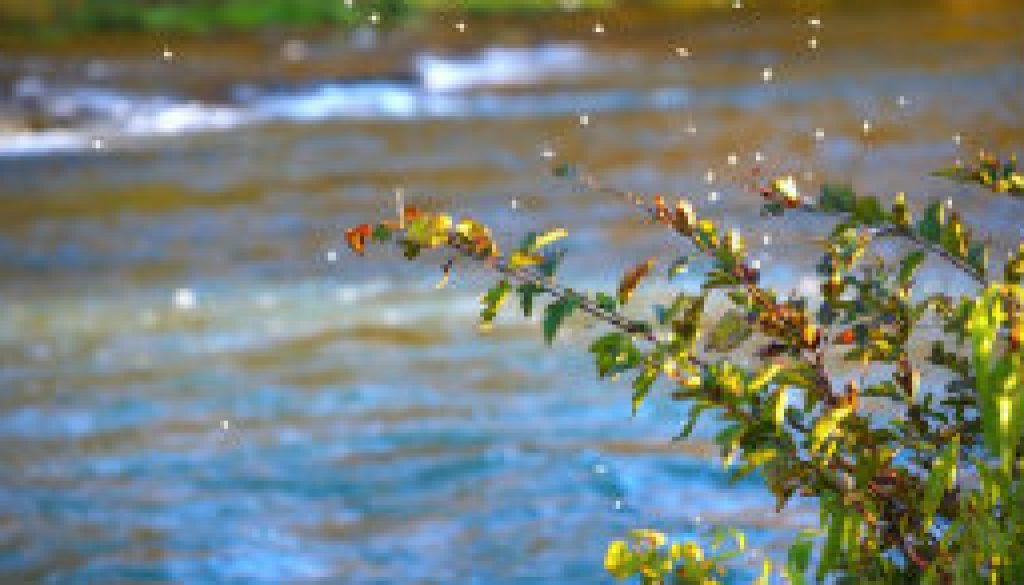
(199, 384)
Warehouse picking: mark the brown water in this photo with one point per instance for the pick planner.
(198, 384)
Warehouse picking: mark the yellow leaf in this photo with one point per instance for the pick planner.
(780, 406)
(520, 259)
(468, 228)
(766, 572)
(675, 552)
(826, 426)
(648, 536)
(764, 377)
(617, 558)
(694, 552)
(549, 237)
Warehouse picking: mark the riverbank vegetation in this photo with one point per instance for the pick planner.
(914, 456)
(53, 17)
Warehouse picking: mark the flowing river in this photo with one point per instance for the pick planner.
(200, 384)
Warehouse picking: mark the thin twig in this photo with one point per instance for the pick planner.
(931, 247)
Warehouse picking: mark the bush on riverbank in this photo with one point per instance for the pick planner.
(820, 396)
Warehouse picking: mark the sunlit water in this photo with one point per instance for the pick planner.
(199, 384)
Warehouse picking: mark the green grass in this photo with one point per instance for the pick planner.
(205, 16)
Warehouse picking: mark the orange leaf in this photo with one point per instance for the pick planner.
(356, 238)
(845, 337)
(659, 207)
(632, 278)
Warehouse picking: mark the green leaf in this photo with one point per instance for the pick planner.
(678, 266)
(729, 332)
(642, 386)
(606, 302)
(527, 292)
(614, 352)
(687, 327)
(419, 230)
(527, 243)
(410, 249)
(381, 233)
(977, 257)
(837, 198)
(941, 478)
(555, 314)
(492, 301)
(909, 265)
(564, 170)
(830, 552)
(868, 210)
(729, 436)
(691, 421)
(930, 226)
(798, 557)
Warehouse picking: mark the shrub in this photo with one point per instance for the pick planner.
(914, 485)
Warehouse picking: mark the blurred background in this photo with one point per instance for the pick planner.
(200, 384)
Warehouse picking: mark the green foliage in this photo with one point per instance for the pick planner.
(932, 493)
(206, 16)
(650, 556)
(1001, 176)
(555, 314)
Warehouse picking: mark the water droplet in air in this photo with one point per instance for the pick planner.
(866, 126)
(515, 204)
(732, 159)
(737, 4)
(713, 196)
(956, 139)
(709, 177)
(332, 255)
(167, 54)
(266, 301)
(691, 129)
(600, 468)
(682, 51)
(767, 239)
(374, 17)
(767, 74)
(756, 265)
(548, 152)
(819, 133)
(814, 21)
(97, 144)
(185, 299)
(903, 101)
(584, 120)
(460, 26)
(599, 28)
(294, 50)
(758, 156)
(618, 504)
(949, 202)
(225, 424)
(812, 42)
